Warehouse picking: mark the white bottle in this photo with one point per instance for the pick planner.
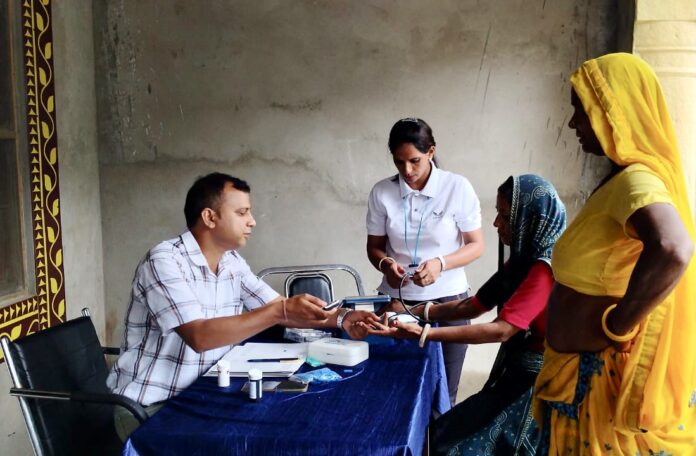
(223, 367)
(255, 384)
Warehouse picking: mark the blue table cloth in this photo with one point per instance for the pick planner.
(381, 407)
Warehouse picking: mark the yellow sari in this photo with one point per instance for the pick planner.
(642, 402)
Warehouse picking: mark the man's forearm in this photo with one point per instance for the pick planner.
(207, 334)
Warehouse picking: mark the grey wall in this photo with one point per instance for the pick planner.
(79, 189)
(298, 98)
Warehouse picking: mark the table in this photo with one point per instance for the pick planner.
(381, 407)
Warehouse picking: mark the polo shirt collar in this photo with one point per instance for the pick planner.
(431, 187)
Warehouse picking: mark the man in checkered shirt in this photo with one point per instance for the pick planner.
(187, 298)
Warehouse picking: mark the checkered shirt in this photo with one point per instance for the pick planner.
(173, 285)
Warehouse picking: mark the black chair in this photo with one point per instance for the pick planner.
(59, 375)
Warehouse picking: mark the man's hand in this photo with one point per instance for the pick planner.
(357, 322)
(427, 273)
(303, 309)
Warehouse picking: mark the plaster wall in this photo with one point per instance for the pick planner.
(298, 99)
(79, 189)
(665, 37)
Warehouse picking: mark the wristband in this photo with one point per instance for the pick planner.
(341, 316)
(615, 337)
(443, 264)
(285, 309)
(425, 311)
(424, 335)
(379, 265)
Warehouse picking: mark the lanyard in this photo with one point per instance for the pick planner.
(414, 256)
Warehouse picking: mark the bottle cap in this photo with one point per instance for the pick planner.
(255, 374)
(223, 366)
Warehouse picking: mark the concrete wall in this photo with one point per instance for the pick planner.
(665, 36)
(298, 98)
(79, 189)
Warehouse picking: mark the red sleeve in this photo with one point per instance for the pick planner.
(479, 305)
(529, 300)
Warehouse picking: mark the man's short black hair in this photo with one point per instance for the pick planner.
(206, 192)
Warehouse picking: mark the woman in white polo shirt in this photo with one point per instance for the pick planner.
(427, 222)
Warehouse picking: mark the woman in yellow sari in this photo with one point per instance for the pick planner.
(619, 373)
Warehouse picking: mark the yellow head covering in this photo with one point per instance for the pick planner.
(627, 110)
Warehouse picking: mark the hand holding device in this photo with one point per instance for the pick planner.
(303, 308)
(427, 273)
(334, 304)
(394, 274)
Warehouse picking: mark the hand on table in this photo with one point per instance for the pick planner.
(427, 273)
(395, 329)
(357, 322)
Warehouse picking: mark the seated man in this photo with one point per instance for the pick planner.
(187, 299)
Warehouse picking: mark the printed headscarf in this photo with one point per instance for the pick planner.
(537, 218)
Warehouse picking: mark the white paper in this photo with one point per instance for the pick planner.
(239, 357)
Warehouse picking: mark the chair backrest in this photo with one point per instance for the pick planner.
(312, 277)
(64, 358)
(315, 283)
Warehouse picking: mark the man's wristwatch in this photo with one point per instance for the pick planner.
(341, 315)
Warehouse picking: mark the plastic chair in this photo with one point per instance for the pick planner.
(59, 375)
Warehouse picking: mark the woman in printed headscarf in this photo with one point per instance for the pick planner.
(497, 420)
(619, 369)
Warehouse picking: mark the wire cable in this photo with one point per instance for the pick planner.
(420, 320)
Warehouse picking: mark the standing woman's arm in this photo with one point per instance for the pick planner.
(468, 218)
(377, 218)
(376, 249)
(667, 250)
(471, 249)
(377, 254)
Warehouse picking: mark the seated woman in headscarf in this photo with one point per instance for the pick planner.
(619, 373)
(497, 420)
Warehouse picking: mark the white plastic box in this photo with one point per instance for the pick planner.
(343, 352)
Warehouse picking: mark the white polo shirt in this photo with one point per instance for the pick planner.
(445, 208)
